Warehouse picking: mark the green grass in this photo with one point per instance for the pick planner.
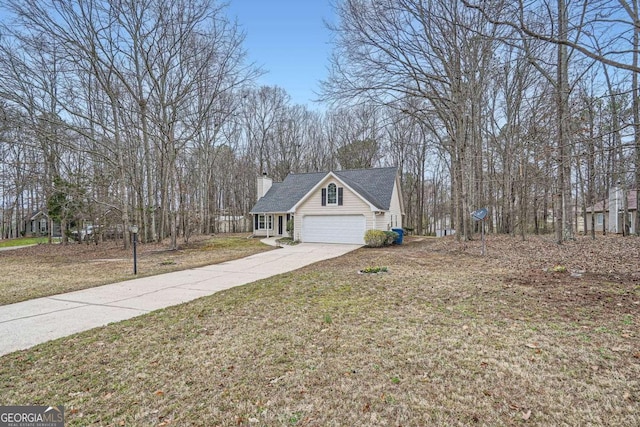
(23, 241)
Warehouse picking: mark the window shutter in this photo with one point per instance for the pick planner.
(339, 196)
(324, 197)
(255, 222)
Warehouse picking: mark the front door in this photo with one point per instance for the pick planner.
(280, 225)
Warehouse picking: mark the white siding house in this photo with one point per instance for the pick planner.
(330, 207)
(608, 214)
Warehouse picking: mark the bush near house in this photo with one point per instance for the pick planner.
(290, 228)
(375, 238)
(391, 237)
(379, 238)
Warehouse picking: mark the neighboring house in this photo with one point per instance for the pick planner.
(231, 224)
(329, 207)
(443, 226)
(613, 218)
(38, 225)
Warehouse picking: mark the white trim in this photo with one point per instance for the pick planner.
(335, 203)
(398, 189)
(267, 223)
(321, 183)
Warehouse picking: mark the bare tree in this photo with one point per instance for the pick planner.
(432, 50)
(141, 81)
(603, 31)
(264, 110)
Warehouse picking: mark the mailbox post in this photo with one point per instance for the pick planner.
(480, 215)
(134, 231)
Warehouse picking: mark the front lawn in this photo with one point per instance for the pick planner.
(443, 338)
(44, 270)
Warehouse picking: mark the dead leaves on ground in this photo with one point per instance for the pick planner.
(610, 255)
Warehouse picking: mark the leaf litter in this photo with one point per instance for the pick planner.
(491, 340)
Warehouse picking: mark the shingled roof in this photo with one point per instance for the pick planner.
(374, 185)
(603, 206)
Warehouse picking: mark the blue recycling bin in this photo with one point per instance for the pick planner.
(400, 232)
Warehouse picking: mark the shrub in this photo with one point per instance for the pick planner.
(287, 241)
(375, 238)
(374, 270)
(391, 237)
(290, 228)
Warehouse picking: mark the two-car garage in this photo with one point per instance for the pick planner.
(333, 229)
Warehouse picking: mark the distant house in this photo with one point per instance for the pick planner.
(231, 224)
(329, 207)
(609, 213)
(38, 225)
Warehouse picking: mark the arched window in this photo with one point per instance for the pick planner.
(332, 194)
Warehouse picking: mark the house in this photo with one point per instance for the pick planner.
(329, 207)
(612, 218)
(231, 224)
(38, 225)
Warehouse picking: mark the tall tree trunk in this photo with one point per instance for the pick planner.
(564, 228)
(636, 114)
(122, 173)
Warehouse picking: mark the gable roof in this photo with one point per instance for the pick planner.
(38, 213)
(374, 185)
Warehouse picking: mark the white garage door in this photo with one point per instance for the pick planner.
(334, 229)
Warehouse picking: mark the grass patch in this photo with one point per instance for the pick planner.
(44, 270)
(447, 339)
(24, 241)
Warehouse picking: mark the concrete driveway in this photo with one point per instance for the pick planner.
(28, 323)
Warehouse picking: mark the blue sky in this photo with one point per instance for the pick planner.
(289, 40)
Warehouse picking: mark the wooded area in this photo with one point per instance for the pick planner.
(148, 112)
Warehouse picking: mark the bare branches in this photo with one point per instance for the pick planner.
(597, 21)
